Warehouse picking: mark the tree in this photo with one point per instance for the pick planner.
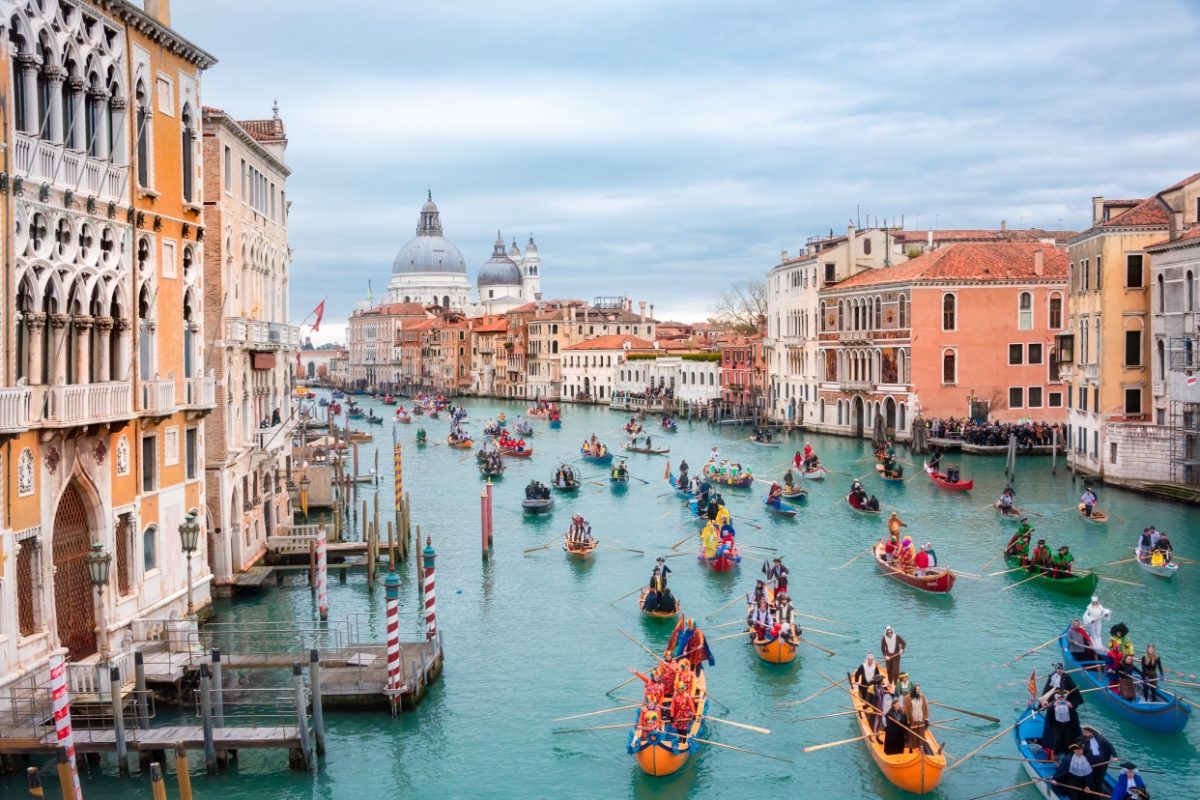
(743, 306)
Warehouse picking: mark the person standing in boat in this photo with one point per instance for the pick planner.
(1062, 562)
(1061, 727)
(921, 562)
(775, 496)
(694, 647)
(864, 677)
(1099, 753)
(1163, 547)
(892, 646)
(1089, 500)
(1152, 670)
(895, 722)
(778, 574)
(895, 524)
(1129, 784)
(658, 578)
(1094, 617)
(1073, 774)
(1040, 561)
(916, 709)
(760, 620)
(1079, 642)
(683, 710)
(1059, 679)
(1005, 503)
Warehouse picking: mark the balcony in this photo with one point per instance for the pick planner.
(88, 404)
(260, 334)
(849, 337)
(158, 397)
(856, 386)
(41, 161)
(200, 393)
(273, 437)
(1066, 372)
(16, 409)
(1091, 372)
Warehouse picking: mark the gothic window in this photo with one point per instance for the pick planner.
(949, 367)
(28, 585)
(1056, 311)
(142, 119)
(1025, 311)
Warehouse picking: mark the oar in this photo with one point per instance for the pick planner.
(760, 548)
(815, 694)
(594, 713)
(1118, 580)
(1113, 563)
(1049, 761)
(744, 598)
(619, 685)
(964, 711)
(987, 563)
(994, 738)
(728, 636)
(814, 747)
(596, 728)
(813, 644)
(547, 544)
(1007, 788)
(740, 750)
(622, 597)
(681, 541)
(818, 619)
(856, 558)
(825, 716)
(625, 549)
(754, 728)
(828, 633)
(1018, 583)
(727, 624)
(1181, 683)
(643, 480)
(639, 644)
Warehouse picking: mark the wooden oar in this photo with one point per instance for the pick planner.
(814, 747)
(639, 644)
(1018, 583)
(1051, 761)
(754, 728)
(825, 716)
(741, 750)
(1027, 653)
(828, 633)
(681, 541)
(594, 713)
(818, 619)
(856, 558)
(622, 597)
(596, 728)
(619, 685)
(1118, 580)
(814, 644)
(1007, 788)
(728, 636)
(624, 549)
(727, 624)
(812, 696)
(1005, 571)
(1031, 714)
(745, 597)
(547, 544)
(964, 711)
(1181, 683)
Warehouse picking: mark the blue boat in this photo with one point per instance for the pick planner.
(556, 423)
(338, 394)
(1027, 733)
(1168, 715)
(603, 460)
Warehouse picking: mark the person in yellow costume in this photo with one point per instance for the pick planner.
(708, 539)
(723, 516)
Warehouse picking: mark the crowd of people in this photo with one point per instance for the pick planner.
(898, 708)
(580, 532)
(992, 434)
(509, 442)
(901, 553)
(770, 614)
(593, 447)
(1086, 644)
(1154, 547)
(536, 490)
(670, 694)
(565, 476)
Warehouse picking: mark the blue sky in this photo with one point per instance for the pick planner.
(663, 148)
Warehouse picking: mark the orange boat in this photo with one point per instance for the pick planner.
(777, 650)
(580, 550)
(664, 752)
(461, 444)
(916, 771)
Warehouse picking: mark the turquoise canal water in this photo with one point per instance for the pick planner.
(532, 637)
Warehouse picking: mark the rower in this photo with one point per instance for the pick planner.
(1006, 501)
(921, 561)
(666, 602)
(873, 503)
(788, 480)
(1089, 500)
(1163, 549)
(1041, 560)
(778, 574)
(760, 620)
(895, 524)
(683, 709)
(1062, 562)
(760, 593)
(658, 578)
(775, 496)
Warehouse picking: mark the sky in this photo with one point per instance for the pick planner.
(662, 149)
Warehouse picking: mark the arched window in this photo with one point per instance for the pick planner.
(150, 548)
(142, 119)
(1162, 295)
(821, 321)
(949, 367)
(1056, 320)
(445, 301)
(1189, 290)
(1162, 360)
(949, 312)
(188, 152)
(866, 246)
(1025, 311)
(901, 422)
(878, 310)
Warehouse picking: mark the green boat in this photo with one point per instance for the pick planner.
(1082, 584)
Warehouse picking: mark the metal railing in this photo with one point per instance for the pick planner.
(250, 707)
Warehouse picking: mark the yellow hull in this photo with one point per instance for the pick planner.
(913, 771)
(659, 759)
(776, 652)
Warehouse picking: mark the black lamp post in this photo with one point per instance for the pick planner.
(189, 536)
(98, 564)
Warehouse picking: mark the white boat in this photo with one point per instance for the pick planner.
(1167, 570)
(815, 474)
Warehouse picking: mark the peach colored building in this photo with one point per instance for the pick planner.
(966, 329)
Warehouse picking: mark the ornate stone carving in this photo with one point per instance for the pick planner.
(123, 455)
(104, 323)
(100, 451)
(25, 473)
(83, 322)
(59, 321)
(53, 459)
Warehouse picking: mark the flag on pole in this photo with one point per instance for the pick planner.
(320, 312)
(1033, 687)
(368, 291)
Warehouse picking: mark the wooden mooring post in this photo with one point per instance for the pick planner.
(35, 782)
(318, 709)
(139, 687)
(118, 712)
(181, 772)
(158, 787)
(210, 749)
(303, 758)
(218, 691)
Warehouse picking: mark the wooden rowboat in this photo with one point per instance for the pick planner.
(939, 580)
(891, 477)
(580, 550)
(941, 480)
(814, 474)
(1011, 516)
(663, 752)
(764, 444)
(795, 493)
(1166, 570)
(1027, 734)
(461, 444)
(657, 614)
(1079, 584)
(1097, 516)
(603, 460)
(743, 481)
(404, 418)
(916, 771)
(649, 451)
(509, 451)
(780, 510)
(861, 510)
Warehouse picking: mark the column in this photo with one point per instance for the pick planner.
(120, 145)
(83, 347)
(101, 98)
(58, 355)
(77, 136)
(104, 326)
(36, 322)
(27, 65)
(124, 349)
(55, 75)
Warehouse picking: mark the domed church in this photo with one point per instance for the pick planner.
(429, 269)
(507, 280)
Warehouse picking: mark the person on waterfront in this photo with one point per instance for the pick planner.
(1062, 562)
(778, 574)
(1099, 753)
(1129, 784)
(1073, 774)
(1061, 727)
(1079, 642)
(1059, 679)
(1094, 617)
(1088, 501)
(892, 646)
(1152, 670)
(916, 708)
(1005, 503)
(895, 723)
(864, 678)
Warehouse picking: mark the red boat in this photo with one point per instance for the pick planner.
(512, 451)
(722, 563)
(941, 480)
(388, 400)
(860, 509)
(939, 580)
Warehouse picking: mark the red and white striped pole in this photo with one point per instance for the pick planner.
(391, 590)
(322, 573)
(61, 704)
(483, 521)
(430, 606)
(489, 513)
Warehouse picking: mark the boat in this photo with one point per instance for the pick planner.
(764, 444)
(337, 394)
(580, 550)
(743, 481)
(374, 420)
(720, 563)
(461, 444)
(523, 429)
(632, 428)
(814, 474)
(389, 400)
(619, 482)
(492, 468)
(404, 418)
(913, 771)
(1097, 516)
(1027, 734)
(335, 408)
(536, 505)
(890, 477)
(779, 510)
(1010, 516)
(501, 420)
(417, 410)
(669, 426)
(356, 413)
(1168, 715)
(571, 480)
(794, 493)
(1079, 584)
(515, 453)
(663, 752)
(603, 460)
(433, 413)
(536, 413)
(875, 512)
(941, 480)
(358, 437)
(1164, 570)
(656, 614)
(556, 423)
(649, 451)
(939, 580)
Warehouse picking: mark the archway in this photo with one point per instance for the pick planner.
(856, 417)
(889, 415)
(74, 605)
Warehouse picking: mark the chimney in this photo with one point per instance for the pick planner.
(1097, 210)
(159, 10)
(850, 243)
(652, 311)
(642, 309)
(1003, 225)
(929, 239)
(783, 256)
(1038, 263)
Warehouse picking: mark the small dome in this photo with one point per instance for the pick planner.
(531, 247)
(499, 270)
(514, 252)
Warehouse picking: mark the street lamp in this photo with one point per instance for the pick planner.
(304, 484)
(189, 536)
(98, 563)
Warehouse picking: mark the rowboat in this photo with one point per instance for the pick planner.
(536, 412)
(461, 444)
(939, 580)
(649, 451)
(1168, 715)
(357, 437)
(795, 493)
(618, 483)
(404, 418)
(861, 510)
(515, 453)
(1079, 584)
(776, 651)
(743, 481)
(889, 477)
(374, 420)
(669, 427)
(632, 428)
(417, 410)
(556, 423)
(491, 469)
(1013, 515)
(603, 460)
(941, 480)
(764, 444)
(656, 614)
(388, 400)
(721, 563)
(1097, 515)
(580, 550)
(916, 771)
(779, 510)
(663, 752)
(1026, 735)
(570, 480)
(814, 474)
(536, 505)
(356, 414)
(1166, 570)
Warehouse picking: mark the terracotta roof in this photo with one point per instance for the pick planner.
(979, 235)
(422, 325)
(680, 344)
(265, 130)
(493, 326)
(395, 310)
(612, 342)
(1147, 212)
(998, 261)
(1182, 183)
(1188, 238)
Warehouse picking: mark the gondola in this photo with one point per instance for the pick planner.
(1078, 584)
(1013, 515)
(1027, 734)
(602, 460)
(941, 480)
(657, 614)
(1164, 570)
(536, 505)
(913, 771)
(374, 420)
(780, 510)
(664, 752)
(649, 451)
(874, 512)
(891, 477)
(1097, 516)
(580, 550)
(1168, 715)
(939, 580)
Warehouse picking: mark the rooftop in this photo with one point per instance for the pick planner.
(613, 342)
(965, 262)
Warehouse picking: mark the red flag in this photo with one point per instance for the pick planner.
(320, 312)
(1033, 687)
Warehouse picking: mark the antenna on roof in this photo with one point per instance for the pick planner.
(857, 215)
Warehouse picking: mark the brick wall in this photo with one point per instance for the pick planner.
(1143, 453)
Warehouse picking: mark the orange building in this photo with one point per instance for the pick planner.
(967, 329)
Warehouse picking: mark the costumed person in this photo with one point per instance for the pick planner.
(693, 646)
(666, 602)
(903, 686)
(775, 496)
(760, 593)
(916, 708)
(1088, 501)
(1041, 560)
(785, 614)
(1119, 635)
(1062, 562)
(1094, 617)
(650, 601)
(894, 734)
(873, 503)
(906, 554)
(864, 677)
(649, 720)
(1152, 670)
(921, 562)
(1129, 784)
(789, 480)
(1059, 679)
(761, 621)
(658, 578)
(683, 709)
(1061, 727)
(1018, 545)
(1126, 678)
(895, 524)
(1073, 774)
(778, 573)
(1079, 642)
(1005, 503)
(892, 646)
(1099, 753)
(933, 559)
(798, 460)
(708, 540)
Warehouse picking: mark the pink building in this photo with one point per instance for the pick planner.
(965, 329)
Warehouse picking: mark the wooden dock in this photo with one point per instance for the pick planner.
(190, 736)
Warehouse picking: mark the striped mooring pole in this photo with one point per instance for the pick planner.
(61, 704)
(391, 590)
(430, 606)
(489, 513)
(483, 522)
(322, 576)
